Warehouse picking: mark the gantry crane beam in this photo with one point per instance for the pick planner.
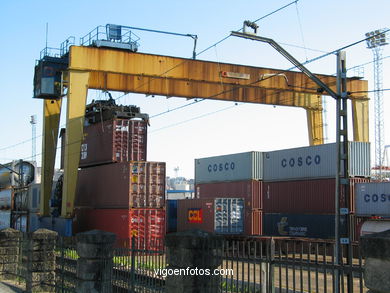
(117, 70)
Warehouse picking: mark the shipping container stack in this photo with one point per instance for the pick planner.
(234, 177)
(287, 192)
(118, 190)
(299, 189)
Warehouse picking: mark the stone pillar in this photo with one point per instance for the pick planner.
(192, 257)
(9, 253)
(40, 261)
(376, 250)
(94, 266)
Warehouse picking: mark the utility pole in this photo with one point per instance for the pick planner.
(33, 123)
(375, 41)
(342, 213)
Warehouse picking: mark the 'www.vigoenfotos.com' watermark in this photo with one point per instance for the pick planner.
(193, 272)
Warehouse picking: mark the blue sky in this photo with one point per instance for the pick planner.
(326, 25)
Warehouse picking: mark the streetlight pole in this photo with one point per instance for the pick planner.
(342, 214)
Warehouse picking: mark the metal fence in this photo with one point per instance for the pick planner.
(66, 265)
(255, 265)
(133, 266)
(288, 265)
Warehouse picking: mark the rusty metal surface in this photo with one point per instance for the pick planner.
(122, 185)
(305, 196)
(200, 214)
(250, 190)
(127, 64)
(117, 140)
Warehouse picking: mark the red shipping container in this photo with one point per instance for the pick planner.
(305, 196)
(200, 214)
(146, 225)
(117, 140)
(250, 190)
(122, 185)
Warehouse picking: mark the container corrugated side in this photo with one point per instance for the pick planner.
(229, 215)
(117, 140)
(122, 185)
(373, 199)
(299, 225)
(315, 196)
(146, 225)
(250, 190)
(195, 214)
(234, 167)
(214, 215)
(315, 162)
(171, 211)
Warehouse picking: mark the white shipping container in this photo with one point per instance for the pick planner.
(372, 199)
(315, 162)
(234, 167)
(5, 219)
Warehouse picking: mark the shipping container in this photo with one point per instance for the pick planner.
(250, 190)
(5, 219)
(374, 226)
(117, 140)
(315, 162)
(234, 167)
(373, 199)
(122, 185)
(305, 196)
(6, 198)
(299, 225)
(171, 207)
(219, 215)
(146, 225)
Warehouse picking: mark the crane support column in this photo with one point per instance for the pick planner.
(51, 119)
(77, 96)
(315, 126)
(360, 116)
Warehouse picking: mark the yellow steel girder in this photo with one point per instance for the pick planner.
(77, 96)
(117, 70)
(51, 119)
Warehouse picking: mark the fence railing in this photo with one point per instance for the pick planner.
(246, 265)
(288, 265)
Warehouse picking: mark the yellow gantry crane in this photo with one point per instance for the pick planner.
(119, 69)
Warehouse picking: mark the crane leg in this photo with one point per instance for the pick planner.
(77, 96)
(315, 126)
(360, 115)
(51, 119)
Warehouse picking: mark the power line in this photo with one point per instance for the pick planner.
(218, 42)
(215, 95)
(195, 118)
(371, 91)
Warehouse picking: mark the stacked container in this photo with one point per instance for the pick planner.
(236, 176)
(118, 190)
(286, 192)
(299, 188)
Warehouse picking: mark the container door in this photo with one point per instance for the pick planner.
(229, 215)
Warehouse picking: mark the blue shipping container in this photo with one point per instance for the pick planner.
(299, 225)
(171, 215)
